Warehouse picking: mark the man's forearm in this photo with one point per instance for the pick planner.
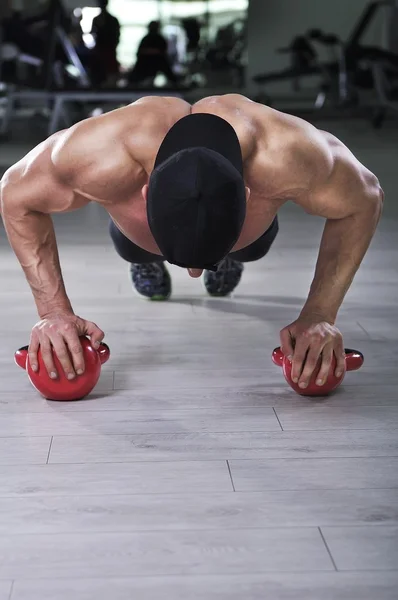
(343, 247)
(32, 237)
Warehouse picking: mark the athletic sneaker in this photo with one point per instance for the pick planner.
(151, 280)
(223, 281)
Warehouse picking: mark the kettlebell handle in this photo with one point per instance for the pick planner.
(277, 357)
(20, 356)
(104, 353)
(353, 358)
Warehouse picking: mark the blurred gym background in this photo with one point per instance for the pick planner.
(63, 60)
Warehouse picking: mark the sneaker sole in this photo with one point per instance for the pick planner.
(157, 298)
(219, 295)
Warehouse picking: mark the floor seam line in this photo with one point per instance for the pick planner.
(328, 549)
(230, 475)
(277, 418)
(49, 450)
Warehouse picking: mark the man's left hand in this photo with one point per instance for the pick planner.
(306, 341)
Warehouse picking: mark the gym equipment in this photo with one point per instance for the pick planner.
(45, 57)
(304, 62)
(373, 67)
(353, 361)
(353, 67)
(386, 83)
(62, 389)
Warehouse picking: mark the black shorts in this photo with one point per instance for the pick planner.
(134, 254)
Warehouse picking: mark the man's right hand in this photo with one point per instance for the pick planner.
(60, 331)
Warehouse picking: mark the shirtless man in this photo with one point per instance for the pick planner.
(199, 186)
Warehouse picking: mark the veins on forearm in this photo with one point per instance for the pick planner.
(343, 247)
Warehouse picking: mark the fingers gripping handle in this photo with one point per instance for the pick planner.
(353, 358)
(21, 355)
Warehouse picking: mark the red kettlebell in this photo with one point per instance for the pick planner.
(61, 388)
(353, 361)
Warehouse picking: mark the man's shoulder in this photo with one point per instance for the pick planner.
(86, 145)
(291, 154)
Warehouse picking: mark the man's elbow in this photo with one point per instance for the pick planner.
(374, 205)
(3, 191)
(12, 198)
(5, 197)
(380, 196)
(378, 199)
(375, 196)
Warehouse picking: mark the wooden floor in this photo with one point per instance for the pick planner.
(194, 472)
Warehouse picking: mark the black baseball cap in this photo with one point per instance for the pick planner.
(196, 203)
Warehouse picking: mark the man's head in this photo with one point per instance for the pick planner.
(154, 27)
(196, 197)
(103, 4)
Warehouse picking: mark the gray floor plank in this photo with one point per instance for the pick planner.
(246, 379)
(377, 328)
(314, 473)
(230, 445)
(126, 422)
(342, 417)
(203, 398)
(196, 552)
(362, 548)
(116, 478)
(294, 586)
(5, 590)
(24, 451)
(202, 511)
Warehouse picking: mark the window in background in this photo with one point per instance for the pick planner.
(212, 13)
(173, 16)
(209, 32)
(210, 35)
(134, 16)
